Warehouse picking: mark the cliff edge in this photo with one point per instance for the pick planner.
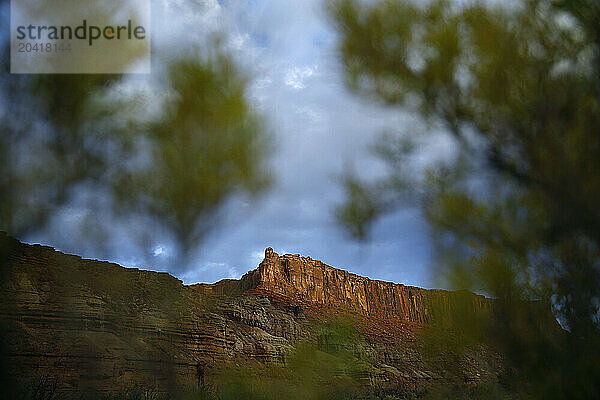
(308, 282)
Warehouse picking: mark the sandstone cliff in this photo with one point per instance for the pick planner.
(97, 326)
(312, 282)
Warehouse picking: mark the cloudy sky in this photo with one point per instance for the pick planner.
(320, 128)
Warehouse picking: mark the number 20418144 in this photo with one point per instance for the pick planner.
(27, 47)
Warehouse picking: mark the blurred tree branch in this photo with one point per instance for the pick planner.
(515, 214)
(172, 153)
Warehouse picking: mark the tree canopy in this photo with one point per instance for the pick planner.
(168, 149)
(515, 213)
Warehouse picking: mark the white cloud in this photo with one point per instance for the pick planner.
(233, 273)
(310, 113)
(295, 77)
(158, 251)
(256, 257)
(215, 265)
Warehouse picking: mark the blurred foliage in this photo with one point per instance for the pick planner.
(514, 213)
(207, 145)
(138, 392)
(168, 148)
(485, 391)
(41, 388)
(322, 368)
(325, 366)
(258, 391)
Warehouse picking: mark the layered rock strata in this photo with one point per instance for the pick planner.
(98, 327)
(312, 282)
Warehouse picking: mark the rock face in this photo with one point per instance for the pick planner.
(98, 327)
(311, 281)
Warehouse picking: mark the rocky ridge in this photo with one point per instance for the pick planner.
(311, 282)
(97, 326)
